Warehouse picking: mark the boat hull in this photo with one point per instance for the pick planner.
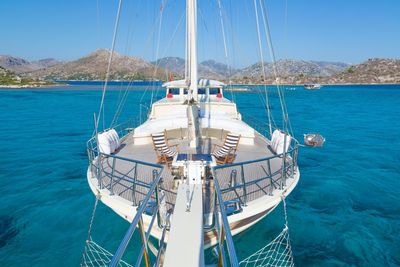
(252, 213)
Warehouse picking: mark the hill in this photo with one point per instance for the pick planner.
(94, 67)
(292, 68)
(12, 80)
(372, 71)
(207, 69)
(19, 65)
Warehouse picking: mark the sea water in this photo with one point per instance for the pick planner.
(345, 210)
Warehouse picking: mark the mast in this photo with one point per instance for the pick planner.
(191, 42)
(192, 49)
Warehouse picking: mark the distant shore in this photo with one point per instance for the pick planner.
(233, 87)
(24, 86)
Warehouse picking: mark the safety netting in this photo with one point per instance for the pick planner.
(95, 255)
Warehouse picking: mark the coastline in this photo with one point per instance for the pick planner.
(240, 88)
(32, 86)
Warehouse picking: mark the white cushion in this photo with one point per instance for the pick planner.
(108, 141)
(104, 143)
(116, 137)
(278, 142)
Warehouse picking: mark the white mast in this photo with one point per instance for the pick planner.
(191, 41)
(192, 36)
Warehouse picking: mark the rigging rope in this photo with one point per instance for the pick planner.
(225, 47)
(276, 253)
(267, 29)
(262, 66)
(124, 97)
(101, 109)
(92, 218)
(163, 3)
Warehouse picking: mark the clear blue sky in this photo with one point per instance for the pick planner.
(335, 30)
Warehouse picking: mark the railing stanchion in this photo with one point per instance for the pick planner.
(144, 242)
(112, 178)
(137, 222)
(100, 170)
(292, 168)
(224, 232)
(221, 247)
(134, 185)
(244, 184)
(271, 182)
(155, 174)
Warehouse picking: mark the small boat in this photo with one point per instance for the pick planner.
(238, 89)
(314, 140)
(312, 86)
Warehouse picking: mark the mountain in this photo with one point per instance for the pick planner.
(46, 62)
(216, 68)
(290, 68)
(207, 69)
(173, 64)
(94, 67)
(372, 71)
(20, 65)
(17, 64)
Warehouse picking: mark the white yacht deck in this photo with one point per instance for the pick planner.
(124, 171)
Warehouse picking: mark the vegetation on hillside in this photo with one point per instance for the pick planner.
(9, 78)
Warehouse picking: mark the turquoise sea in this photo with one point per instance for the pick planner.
(345, 210)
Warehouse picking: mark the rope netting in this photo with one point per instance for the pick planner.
(95, 255)
(276, 253)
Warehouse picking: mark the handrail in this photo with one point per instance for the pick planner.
(253, 161)
(226, 228)
(132, 160)
(128, 235)
(277, 177)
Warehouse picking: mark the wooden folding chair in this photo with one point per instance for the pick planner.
(163, 150)
(227, 152)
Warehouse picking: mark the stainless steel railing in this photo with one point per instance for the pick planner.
(128, 178)
(137, 223)
(247, 181)
(224, 236)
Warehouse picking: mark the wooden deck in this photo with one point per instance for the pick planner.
(129, 179)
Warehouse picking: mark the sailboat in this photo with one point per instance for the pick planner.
(192, 175)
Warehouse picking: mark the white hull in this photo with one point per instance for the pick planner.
(251, 214)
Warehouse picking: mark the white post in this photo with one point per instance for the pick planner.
(191, 41)
(192, 32)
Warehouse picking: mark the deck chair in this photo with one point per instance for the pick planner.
(163, 150)
(227, 152)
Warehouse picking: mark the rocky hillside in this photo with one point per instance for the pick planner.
(8, 78)
(94, 67)
(172, 64)
(371, 71)
(12, 80)
(46, 62)
(20, 65)
(219, 69)
(292, 68)
(207, 69)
